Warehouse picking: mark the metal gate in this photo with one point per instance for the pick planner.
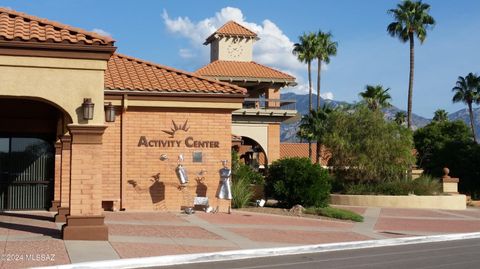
(26, 173)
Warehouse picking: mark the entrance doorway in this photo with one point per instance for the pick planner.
(28, 131)
(26, 173)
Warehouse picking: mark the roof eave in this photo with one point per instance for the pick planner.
(62, 50)
(285, 82)
(217, 35)
(173, 94)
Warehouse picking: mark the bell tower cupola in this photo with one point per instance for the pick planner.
(231, 42)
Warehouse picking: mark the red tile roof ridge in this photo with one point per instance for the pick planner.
(232, 28)
(106, 40)
(287, 75)
(203, 68)
(178, 71)
(222, 29)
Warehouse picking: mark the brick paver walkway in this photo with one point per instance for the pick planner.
(31, 238)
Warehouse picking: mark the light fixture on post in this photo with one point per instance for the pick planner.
(109, 112)
(87, 108)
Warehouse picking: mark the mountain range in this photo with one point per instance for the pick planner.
(288, 130)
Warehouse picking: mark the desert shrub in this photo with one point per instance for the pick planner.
(398, 187)
(424, 185)
(242, 176)
(294, 181)
(333, 212)
(367, 148)
(249, 174)
(241, 192)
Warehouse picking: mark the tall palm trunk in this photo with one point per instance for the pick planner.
(410, 80)
(309, 64)
(319, 71)
(472, 122)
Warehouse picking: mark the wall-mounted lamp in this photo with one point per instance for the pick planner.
(109, 112)
(87, 107)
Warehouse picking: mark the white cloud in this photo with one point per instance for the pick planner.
(273, 49)
(186, 53)
(302, 88)
(327, 95)
(101, 32)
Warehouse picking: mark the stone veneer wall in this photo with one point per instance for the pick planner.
(145, 192)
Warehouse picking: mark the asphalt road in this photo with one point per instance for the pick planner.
(450, 254)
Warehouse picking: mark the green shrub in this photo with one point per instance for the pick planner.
(424, 185)
(398, 187)
(294, 181)
(367, 148)
(242, 176)
(336, 213)
(241, 192)
(381, 188)
(249, 174)
(450, 144)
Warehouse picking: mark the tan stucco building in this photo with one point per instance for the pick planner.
(257, 123)
(83, 129)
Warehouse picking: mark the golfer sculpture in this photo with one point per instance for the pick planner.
(225, 191)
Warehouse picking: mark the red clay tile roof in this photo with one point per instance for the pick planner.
(237, 69)
(17, 26)
(301, 150)
(232, 28)
(129, 74)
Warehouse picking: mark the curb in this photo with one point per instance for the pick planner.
(260, 253)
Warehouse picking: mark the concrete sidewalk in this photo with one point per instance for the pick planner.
(32, 239)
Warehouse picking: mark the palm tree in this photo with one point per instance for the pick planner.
(325, 48)
(467, 90)
(313, 126)
(400, 117)
(376, 97)
(440, 115)
(410, 19)
(305, 52)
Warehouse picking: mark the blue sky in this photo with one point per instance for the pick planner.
(170, 33)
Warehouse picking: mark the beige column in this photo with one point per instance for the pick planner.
(63, 209)
(86, 221)
(56, 178)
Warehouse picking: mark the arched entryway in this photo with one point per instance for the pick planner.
(28, 132)
(251, 153)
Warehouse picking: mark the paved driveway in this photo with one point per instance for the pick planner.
(32, 239)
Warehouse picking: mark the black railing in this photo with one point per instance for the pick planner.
(262, 103)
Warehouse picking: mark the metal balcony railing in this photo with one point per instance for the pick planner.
(264, 104)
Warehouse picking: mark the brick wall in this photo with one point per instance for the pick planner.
(86, 164)
(58, 167)
(152, 184)
(273, 142)
(111, 168)
(65, 173)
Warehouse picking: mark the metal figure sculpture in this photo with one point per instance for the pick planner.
(225, 191)
(181, 171)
